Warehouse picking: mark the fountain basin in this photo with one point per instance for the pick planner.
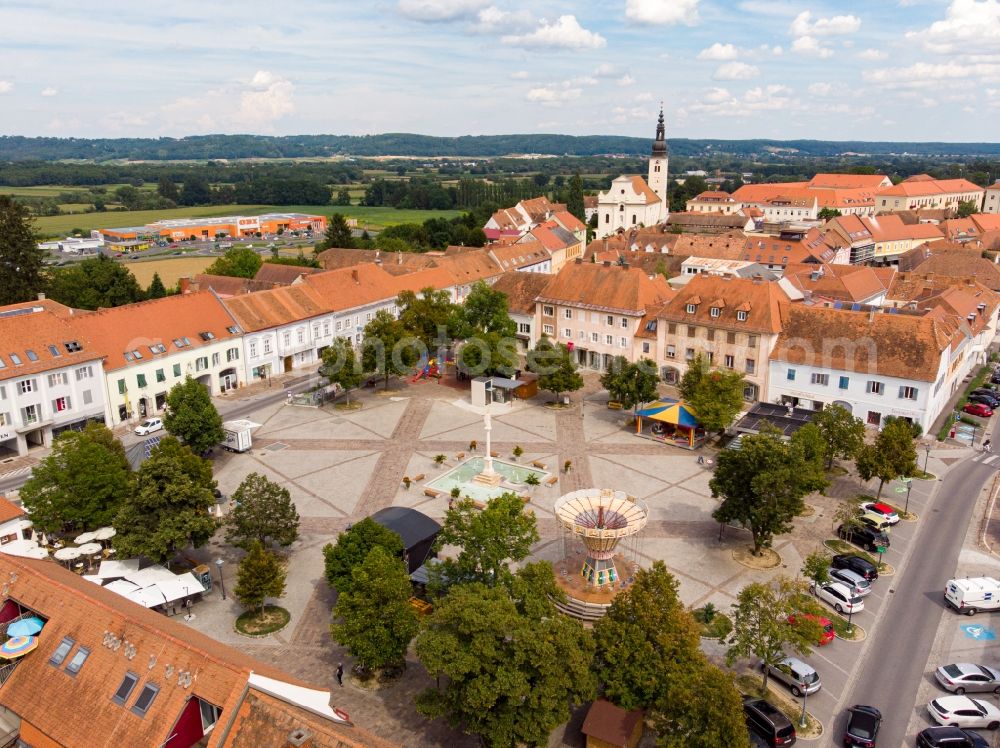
(512, 477)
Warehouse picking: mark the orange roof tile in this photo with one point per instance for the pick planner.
(519, 255)
(854, 283)
(521, 289)
(643, 189)
(762, 299)
(37, 334)
(272, 272)
(605, 286)
(10, 510)
(922, 185)
(568, 221)
(890, 227)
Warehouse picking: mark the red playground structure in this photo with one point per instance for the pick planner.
(428, 370)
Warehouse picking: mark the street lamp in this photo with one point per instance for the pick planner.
(927, 455)
(909, 485)
(222, 579)
(802, 718)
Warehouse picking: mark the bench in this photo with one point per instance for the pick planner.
(418, 478)
(525, 498)
(614, 405)
(551, 480)
(538, 464)
(494, 454)
(432, 493)
(480, 505)
(421, 606)
(460, 456)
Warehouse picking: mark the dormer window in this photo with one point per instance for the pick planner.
(691, 308)
(741, 316)
(715, 311)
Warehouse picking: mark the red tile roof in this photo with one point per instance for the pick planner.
(33, 327)
(272, 272)
(9, 510)
(762, 300)
(611, 724)
(600, 286)
(522, 289)
(890, 227)
(922, 185)
(848, 181)
(641, 188)
(568, 221)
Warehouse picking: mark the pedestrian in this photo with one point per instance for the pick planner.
(987, 446)
(340, 674)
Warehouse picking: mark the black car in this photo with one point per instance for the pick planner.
(864, 536)
(950, 737)
(767, 721)
(862, 726)
(981, 397)
(859, 565)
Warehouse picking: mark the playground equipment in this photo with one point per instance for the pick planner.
(426, 370)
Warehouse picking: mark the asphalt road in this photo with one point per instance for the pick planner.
(898, 650)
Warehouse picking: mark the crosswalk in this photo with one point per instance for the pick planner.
(985, 458)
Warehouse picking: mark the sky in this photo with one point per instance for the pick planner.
(834, 70)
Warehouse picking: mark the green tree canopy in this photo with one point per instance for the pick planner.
(191, 416)
(81, 483)
(167, 189)
(264, 513)
(553, 362)
(341, 365)
(388, 349)
(238, 262)
(21, 261)
(485, 311)
(168, 510)
(843, 434)
(352, 548)
(827, 213)
(574, 199)
(376, 620)
(816, 567)
(966, 208)
(762, 485)
(338, 233)
(431, 316)
(715, 396)
(704, 710)
(156, 288)
(487, 354)
(893, 455)
(260, 576)
(95, 283)
(631, 384)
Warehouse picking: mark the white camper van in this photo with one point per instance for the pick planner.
(972, 594)
(237, 435)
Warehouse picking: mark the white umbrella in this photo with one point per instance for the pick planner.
(84, 538)
(89, 549)
(67, 554)
(104, 533)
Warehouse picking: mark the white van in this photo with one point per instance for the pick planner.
(973, 594)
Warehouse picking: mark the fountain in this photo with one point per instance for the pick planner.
(489, 476)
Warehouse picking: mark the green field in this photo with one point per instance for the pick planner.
(370, 217)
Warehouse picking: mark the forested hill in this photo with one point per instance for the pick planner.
(19, 148)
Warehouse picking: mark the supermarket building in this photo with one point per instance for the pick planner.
(179, 229)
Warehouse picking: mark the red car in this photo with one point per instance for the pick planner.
(827, 635)
(978, 409)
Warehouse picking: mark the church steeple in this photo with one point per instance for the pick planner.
(658, 165)
(660, 144)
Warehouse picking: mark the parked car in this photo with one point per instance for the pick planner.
(855, 582)
(857, 564)
(839, 597)
(768, 722)
(797, 675)
(867, 537)
(965, 676)
(862, 726)
(972, 594)
(988, 393)
(148, 426)
(978, 409)
(876, 521)
(988, 400)
(877, 507)
(963, 711)
(827, 634)
(950, 737)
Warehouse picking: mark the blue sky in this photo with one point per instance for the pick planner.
(841, 69)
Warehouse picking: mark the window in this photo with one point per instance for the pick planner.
(908, 393)
(121, 386)
(201, 363)
(692, 331)
(672, 328)
(689, 354)
(61, 403)
(88, 398)
(32, 356)
(61, 651)
(77, 661)
(671, 352)
(595, 338)
(549, 311)
(690, 308)
(548, 329)
(5, 419)
(301, 334)
(287, 336)
(56, 379)
(216, 358)
(607, 218)
(177, 370)
(790, 375)
(568, 313)
(731, 338)
(267, 345)
(751, 341)
(3, 392)
(140, 380)
(16, 359)
(583, 335)
(751, 366)
(710, 332)
(875, 388)
(821, 379)
(624, 323)
(30, 414)
(715, 311)
(161, 375)
(610, 320)
(252, 348)
(711, 357)
(741, 316)
(25, 386)
(145, 699)
(125, 689)
(524, 327)
(623, 342)
(233, 354)
(844, 383)
(874, 418)
(233, 330)
(84, 372)
(209, 715)
(206, 335)
(645, 347)
(72, 346)
(326, 327)
(729, 361)
(609, 339)
(567, 333)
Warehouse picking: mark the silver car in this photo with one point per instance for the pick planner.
(852, 580)
(964, 676)
(797, 675)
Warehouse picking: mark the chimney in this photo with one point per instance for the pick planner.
(354, 276)
(299, 738)
(605, 243)
(184, 285)
(41, 296)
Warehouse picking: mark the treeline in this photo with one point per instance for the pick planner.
(434, 233)
(20, 148)
(429, 194)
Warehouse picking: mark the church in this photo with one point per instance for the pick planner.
(632, 201)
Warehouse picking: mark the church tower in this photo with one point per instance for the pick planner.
(658, 163)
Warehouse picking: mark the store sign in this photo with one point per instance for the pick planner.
(249, 224)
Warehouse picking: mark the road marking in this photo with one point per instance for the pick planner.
(975, 631)
(990, 459)
(831, 662)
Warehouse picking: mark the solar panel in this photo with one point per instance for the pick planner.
(149, 445)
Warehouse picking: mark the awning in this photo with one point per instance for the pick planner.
(676, 413)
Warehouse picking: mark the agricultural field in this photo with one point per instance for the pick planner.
(169, 269)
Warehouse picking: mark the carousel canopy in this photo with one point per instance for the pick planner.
(670, 411)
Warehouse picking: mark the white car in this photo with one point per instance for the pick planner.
(148, 426)
(962, 711)
(883, 510)
(839, 597)
(852, 580)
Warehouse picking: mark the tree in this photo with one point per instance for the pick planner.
(966, 208)
(816, 568)
(762, 485)
(512, 666)
(167, 189)
(377, 621)
(891, 456)
(338, 233)
(631, 384)
(191, 416)
(760, 623)
(261, 575)
(264, 513)
(81, 484)
(485, 311)
(21, 261)
(168, 510)
(95, 283)
(704, 710)
(353, 547)
(913, 427)
(343, 197)
(574, 200)
(489, 539)
(237, 262)
(195, 191)
(487, 354)
(388, 348)
(848, 513)
(553, 362)
(715, 396)
(842, 433)
(431, 316)
(827, 213)
(341, 366)
(156, 288)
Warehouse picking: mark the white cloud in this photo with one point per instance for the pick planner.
(835, 26)
(872, 54)
(808, 45)
(735, 71)
(922, 73)
(776, 50)
(6, 87)
(606, 70)
(564, 33)
(270, 99)
(718, 101)
(626, 80)
(717, 95)
(820, 89)
(969, 26)
(643, 97)
(662, 12)
(491, 20)
(581, 80)
(431, 11)
(520, 75)
(774, 96)
(551, 95)
(719, 52)
(49, 91)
